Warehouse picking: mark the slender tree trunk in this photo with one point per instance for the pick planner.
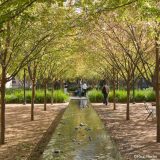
(117, 82)
(114, 91)
(33, 99)
(157, 87)
(114, 97)
(133, 89)
(24, 87)
(128, 101)
(3, 82)
(52, 93)
(3, 89)
(45, 96)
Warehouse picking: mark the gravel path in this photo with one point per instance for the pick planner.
(136, 138)
(21, 134)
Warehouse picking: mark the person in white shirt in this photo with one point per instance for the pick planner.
(65, 87)
(84, 87)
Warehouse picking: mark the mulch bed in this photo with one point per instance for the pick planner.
(136, 138)
(22, 135)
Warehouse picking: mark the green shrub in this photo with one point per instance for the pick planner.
(11, 98)
(28, 96)
(144, 95)
(121, 96)
(95, 96)
(59, 96)
(140, 97)
(39, 97)
(150, 96)
(17, 96)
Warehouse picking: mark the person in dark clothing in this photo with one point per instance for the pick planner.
(105, 92)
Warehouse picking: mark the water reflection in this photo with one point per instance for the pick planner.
(83, 102)
(80, 136)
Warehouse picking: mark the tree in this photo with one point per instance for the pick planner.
(13, 58)
(22, 40)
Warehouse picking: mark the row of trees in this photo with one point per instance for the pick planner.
(34, 38)
(37, 35)
(125, 43)
(79, 39)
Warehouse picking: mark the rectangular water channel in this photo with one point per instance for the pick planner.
(80, 135)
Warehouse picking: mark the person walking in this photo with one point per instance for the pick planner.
(105, 92)
(81, 87)
(84, 88)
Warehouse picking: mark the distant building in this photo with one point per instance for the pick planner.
(14, 83)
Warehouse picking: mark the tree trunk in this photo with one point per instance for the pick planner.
(133, 89)
(24, 86)
(114, 97)
(3, 89)
(52, 93)
(117, 82)
(45, 96)
(128, 101)
(32, 100)
(157, 87)
(114, 91)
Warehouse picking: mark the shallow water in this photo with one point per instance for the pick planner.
(80, 135)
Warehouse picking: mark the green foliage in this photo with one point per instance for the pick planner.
(121, 96)
(17, 96)
(144, 95)
(95, 96)
(73, 88)
(59, 96)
